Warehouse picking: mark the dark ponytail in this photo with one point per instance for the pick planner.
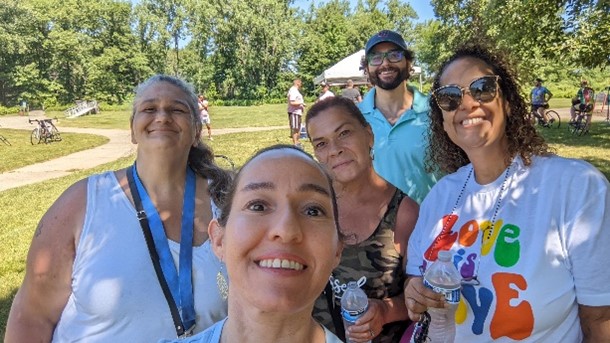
(201, 160)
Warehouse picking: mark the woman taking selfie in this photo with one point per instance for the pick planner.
(279, 238)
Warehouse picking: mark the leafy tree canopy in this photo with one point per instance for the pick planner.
(252, 49)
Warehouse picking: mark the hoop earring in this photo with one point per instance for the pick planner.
(221, 282)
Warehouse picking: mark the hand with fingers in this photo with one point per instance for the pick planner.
(418, 298)
(370, 324)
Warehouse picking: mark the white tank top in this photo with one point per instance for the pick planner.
(116, 296)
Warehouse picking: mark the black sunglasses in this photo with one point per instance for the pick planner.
(376, 58)
(483, 89)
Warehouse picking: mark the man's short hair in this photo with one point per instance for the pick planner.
(350, 82)
(539, 80)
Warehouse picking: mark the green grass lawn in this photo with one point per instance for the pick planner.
(22, 153)
(222, 117)
(560, 103)
(594, 147)
(22, 207)
(240, 146)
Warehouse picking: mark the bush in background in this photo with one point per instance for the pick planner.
(8, 110)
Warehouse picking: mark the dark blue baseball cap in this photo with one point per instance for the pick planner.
(385, 36)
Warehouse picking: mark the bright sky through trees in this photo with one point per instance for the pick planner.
(422, 7)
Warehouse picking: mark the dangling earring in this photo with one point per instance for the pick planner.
(221, 282)
(372, 153)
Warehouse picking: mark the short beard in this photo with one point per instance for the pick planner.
(403, 74)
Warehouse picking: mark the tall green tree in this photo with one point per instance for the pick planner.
(19, 65)
(252, 43)
(541, 35)
(57, 51)
(114, 65)
(327, 38)
(165, 23)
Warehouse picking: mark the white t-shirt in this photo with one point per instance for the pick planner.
(295, 95)
(203, 109)
(548, 253)
(327, 94)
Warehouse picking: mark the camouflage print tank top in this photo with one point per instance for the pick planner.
(376, 266)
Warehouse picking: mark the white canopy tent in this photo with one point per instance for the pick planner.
(349, 69)
(346, 69)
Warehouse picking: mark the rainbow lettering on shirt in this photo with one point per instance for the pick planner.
(513, 316)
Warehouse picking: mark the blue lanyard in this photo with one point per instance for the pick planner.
(180, 284)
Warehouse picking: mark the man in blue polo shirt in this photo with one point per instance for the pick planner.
(398, 114)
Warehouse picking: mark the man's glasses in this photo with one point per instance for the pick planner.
(376, 58)
(483, 89)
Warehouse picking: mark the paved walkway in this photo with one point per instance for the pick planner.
(119, 146)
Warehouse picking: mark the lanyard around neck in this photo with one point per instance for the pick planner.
(180, 283)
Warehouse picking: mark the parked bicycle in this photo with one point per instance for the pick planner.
(46, 131)
(554, 120)
(4, 140)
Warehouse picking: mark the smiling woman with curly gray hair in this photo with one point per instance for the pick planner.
(102, 263)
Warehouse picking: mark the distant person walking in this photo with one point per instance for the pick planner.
(204, 115)
(351, 93)
(23, 108)
(295, 111)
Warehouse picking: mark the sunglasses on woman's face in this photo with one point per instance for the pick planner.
(483, 89)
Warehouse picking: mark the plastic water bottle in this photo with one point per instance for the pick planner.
(444, 278)
(354, 304)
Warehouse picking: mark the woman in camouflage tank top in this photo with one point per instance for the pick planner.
(374, 215)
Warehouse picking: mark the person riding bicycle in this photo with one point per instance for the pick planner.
(540, 96)
(583, 102)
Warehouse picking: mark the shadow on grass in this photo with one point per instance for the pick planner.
(597, 137)
(5, 307)
(593, 147)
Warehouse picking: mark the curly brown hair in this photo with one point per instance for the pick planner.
(523, 139)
